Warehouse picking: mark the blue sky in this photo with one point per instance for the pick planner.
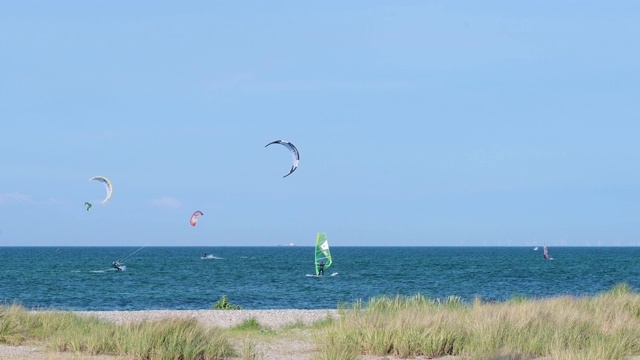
(419, 123)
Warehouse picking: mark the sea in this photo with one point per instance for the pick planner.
(177, 278)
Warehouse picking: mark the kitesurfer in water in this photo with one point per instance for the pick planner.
(116, 265)
(321, 268)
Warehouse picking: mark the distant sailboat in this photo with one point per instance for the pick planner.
(322, 256)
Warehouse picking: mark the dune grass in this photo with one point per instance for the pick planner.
(606, 326)
(250, 324)
(13, 328)
(66, 331)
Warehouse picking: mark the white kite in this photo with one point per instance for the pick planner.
(107, 184)
(295, 156)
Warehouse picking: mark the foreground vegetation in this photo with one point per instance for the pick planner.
(66, 331)
(606, 326)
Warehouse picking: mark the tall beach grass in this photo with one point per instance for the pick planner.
(606, 326)
(66, 331)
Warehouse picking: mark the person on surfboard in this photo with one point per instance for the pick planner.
(321, 268)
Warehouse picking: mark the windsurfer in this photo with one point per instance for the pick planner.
(321, 268)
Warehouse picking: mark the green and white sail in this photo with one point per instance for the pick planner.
(322, 251)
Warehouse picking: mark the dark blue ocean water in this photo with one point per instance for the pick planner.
(79, 278)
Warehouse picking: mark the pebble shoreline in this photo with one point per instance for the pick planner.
(274, 319)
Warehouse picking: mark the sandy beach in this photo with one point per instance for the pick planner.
(274, 319)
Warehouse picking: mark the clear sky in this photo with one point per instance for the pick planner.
(419, 123)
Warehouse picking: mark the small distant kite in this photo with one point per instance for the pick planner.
(295, 156)
(107, 184)
(195, 217)
(88, 205)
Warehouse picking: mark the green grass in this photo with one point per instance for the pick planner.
(319, 324)
(66, 331)
(606, 326)
(249, 351)
(250, 324)
(13, 325)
